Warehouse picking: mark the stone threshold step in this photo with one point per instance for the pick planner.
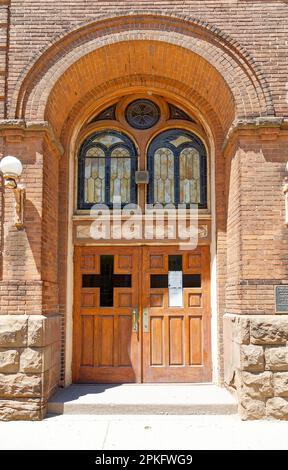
(143, 399)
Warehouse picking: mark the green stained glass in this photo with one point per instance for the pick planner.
(164, 176)
(94, 187)
(120, 174)
(189, 176)
(108, 139)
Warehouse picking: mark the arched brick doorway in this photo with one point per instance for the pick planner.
(199, 89)
(188, 63)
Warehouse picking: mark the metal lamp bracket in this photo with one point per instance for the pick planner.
(19, 194)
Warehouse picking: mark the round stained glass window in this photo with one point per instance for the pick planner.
(142, 114)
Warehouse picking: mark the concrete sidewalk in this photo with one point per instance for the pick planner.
(144, 432)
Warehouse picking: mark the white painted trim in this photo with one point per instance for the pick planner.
(70, 270)
(213, 270)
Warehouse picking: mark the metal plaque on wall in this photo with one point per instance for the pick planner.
(281, 298)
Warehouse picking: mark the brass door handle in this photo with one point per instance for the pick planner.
(145, 320)
(135, 320)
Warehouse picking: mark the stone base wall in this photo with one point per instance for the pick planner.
(256, 364)
(29, 364)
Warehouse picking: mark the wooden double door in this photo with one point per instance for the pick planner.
(141, 314)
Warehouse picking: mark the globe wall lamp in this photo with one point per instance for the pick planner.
(11, 169)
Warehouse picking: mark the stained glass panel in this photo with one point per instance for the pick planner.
(120, 174)
(163, 176)
(106, 115)
(108, 139)
(94, 187)
(181, 139)
(142, 114)
(189, 176)
(177, 113)
(95, 152)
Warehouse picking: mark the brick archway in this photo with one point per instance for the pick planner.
(135, 66)
(230, 61)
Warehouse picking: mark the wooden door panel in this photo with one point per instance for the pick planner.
(192, 262)
(195, 341)
(157, 263)
(87, 336)
(157, 298)
(177, 346)
(105, 348)
(124, 334)
(89, 300)
(107, 341)
(123, 298)
(194, 299)
(175, 328)
(123, 264)
(89, 262)
(157, 341)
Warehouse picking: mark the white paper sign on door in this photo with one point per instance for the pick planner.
(175, 288)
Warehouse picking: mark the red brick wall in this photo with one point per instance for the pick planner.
(259, 26)
(50, 232)
(257, 237)
(4, 43)
(30, 257)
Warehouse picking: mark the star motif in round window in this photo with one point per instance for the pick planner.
(142, 114)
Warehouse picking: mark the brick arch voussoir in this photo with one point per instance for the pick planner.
(206, 79)
(252, 97)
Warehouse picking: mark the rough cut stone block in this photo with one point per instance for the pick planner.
(252, 357)
(31, 361)
(53, 329)
(20, 385)
(36, 327)
(51, 379)
(281, 384)
(241, 330)
(276, 358)
(22, 409)
(55, 354)
(270, 331)
(250, 408)
(9, 361)
(257, 385)
(277, 408)
(13, 331)
(43, 331)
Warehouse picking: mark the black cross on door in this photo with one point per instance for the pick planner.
(106, 280)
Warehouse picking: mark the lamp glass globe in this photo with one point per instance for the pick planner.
(11, 166)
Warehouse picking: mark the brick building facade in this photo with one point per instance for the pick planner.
(222, 63)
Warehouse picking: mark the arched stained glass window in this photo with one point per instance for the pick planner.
(106, 170)
(177, 164)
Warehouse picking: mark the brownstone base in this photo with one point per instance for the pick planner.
(29, 364)
(256, 364)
